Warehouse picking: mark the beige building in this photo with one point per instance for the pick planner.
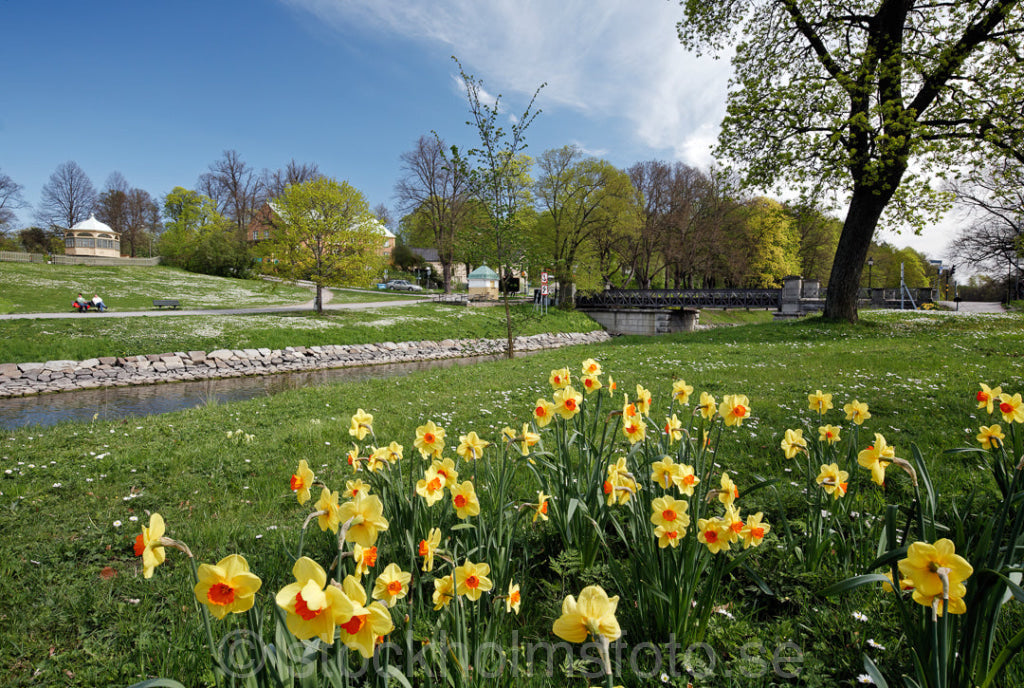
(483, 282)
(92, 238)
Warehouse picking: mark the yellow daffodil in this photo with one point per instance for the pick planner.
(310, 604)
(728, 491)
(1012, 408)
(987, 396)
(362, 423)
(513, 599)
(754, 530)
(429, 440)
(592, 615)
(301, 481)
(471, 580)
(471, 447)
(828, 434)
(395, 451)
(227, 587)
(857, 412)
(619, 486)
(681, 392)
(707, 406)
(925, 566)
(687, 480)
(793, 443)
(360, 626)
(391, 585)
(444, 592)
(540, 510)
(643, 400)
(560, 378)
(327, 505)
(148, 545)
(354, 487)
(378, 457)
(543, 412)
(591, 367)
(428, 547)
(367, 515)
(905, 583)
(876, 457)
(668, 536)
(665, 472)
(991, 436)
(674, 428)
(733, 522)
(819, 401)
(353, 458)
(671, 513)
(734, 409)
(465, 501)
(591, 383)
(567, 402)
(365, 558)
(527, 439)
(612, 387)
(833, 480)
(713, 532)
(635, 429)
(431, 486)
(445, 469)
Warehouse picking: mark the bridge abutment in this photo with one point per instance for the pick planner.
(645, 321)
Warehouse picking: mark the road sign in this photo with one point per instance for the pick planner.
(543, 278)
(543, 290)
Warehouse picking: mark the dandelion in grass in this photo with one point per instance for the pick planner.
(361, 424)
(444, 592)
(591, 367)
(445, 471)
(670, 513)
(876, 458)
(471, 447)
(591, 383)
(643, 400)
(734, 409)
(927, 565)
(793, 443)
(431, 486)
(681, 392)
(428, 547)
(227, 587)
(560, 378)
(673, 428)
(857, 412)
(991, 436)
(309, 603)
(361, 627)
(391, 585)
(707, 406)
(567, 402)
(465, 501)
(819, 401)
(540, 509)
(986, 396)
(365, 559)
(471, 580)
(593, 615)
(429, 440)
(828, 434)
(727, 492)
(713, 532)
(354, 487)
(148, 545)
(833, 480)
(302, 481)
(543, 412)
(754, 530)
(513, 599)
(367, 515)
(1012, 408)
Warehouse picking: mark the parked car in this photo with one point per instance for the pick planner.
(403, 285)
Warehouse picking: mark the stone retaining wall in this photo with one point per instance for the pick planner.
(21, 379)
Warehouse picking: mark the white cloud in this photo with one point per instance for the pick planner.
(604, 58)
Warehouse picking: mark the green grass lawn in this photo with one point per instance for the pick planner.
(77, 611)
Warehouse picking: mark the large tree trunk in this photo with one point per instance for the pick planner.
(844, 283)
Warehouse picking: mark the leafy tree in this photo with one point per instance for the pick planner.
(35, 240)
(405, 259)
(198, 238)
(847, 95)
(324, 232)
(819, 235)
(67, 198)
(768, 246)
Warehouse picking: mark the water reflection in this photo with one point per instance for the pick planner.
(122, 402)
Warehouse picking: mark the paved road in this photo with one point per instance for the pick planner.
(974, 306)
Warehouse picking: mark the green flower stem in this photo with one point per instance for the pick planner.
(206, 625)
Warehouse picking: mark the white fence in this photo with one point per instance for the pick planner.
(14, 257)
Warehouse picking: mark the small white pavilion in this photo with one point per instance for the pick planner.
(92, 238)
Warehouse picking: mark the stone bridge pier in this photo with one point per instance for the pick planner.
(645, 321)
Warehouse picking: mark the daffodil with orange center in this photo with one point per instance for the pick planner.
(926, 565)
(665, 472)
(593, 614)
(431, 486)
(353, 458)
(471, 447)
(148, 545)
(471, 580)
(733, 522)
(1012, 408)
(681, 392)
(991, 436)
(227, 587)
(728, 492)
(365, 558)
(567, 402)
(819, 401)
(754, 530)
(465, 501)
(876, 458)
(591, 383)
(302, 481)
(668, 536)
(378, 457)
(707, 406)
(444, 592)
(361, 424)
(560, 378)
(619, 485)
(428, 547)
(671, 513)
(367, 519)
(513, 599)
(360, 626)
(309, 603)
(635, 429)
(543, 412)
(828, 434)
(687, 480)
(429, 440)
(793, 443)
(643, 400)
(833, 480)
(446, 471)
(857, 412)
(327, 505)
(526, 439)
(591, 367)
(986, 396)
(715, 533)
(734, 409)
(612, 387)
(354, 487)
(391, 585)
(540, 509)
(674, 428)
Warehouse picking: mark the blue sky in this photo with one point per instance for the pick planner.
(158, 90)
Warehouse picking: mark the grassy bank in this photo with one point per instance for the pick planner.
(72, 498)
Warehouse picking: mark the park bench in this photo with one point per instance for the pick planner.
(169, 303)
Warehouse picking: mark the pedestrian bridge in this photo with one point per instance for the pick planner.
(767, 299)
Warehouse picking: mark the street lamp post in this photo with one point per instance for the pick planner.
(871, 264)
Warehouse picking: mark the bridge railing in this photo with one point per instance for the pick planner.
(681, 298)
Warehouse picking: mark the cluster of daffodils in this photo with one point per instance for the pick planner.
(1010, 407)
(720, 532)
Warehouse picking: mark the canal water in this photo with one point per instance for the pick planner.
(112, 403)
